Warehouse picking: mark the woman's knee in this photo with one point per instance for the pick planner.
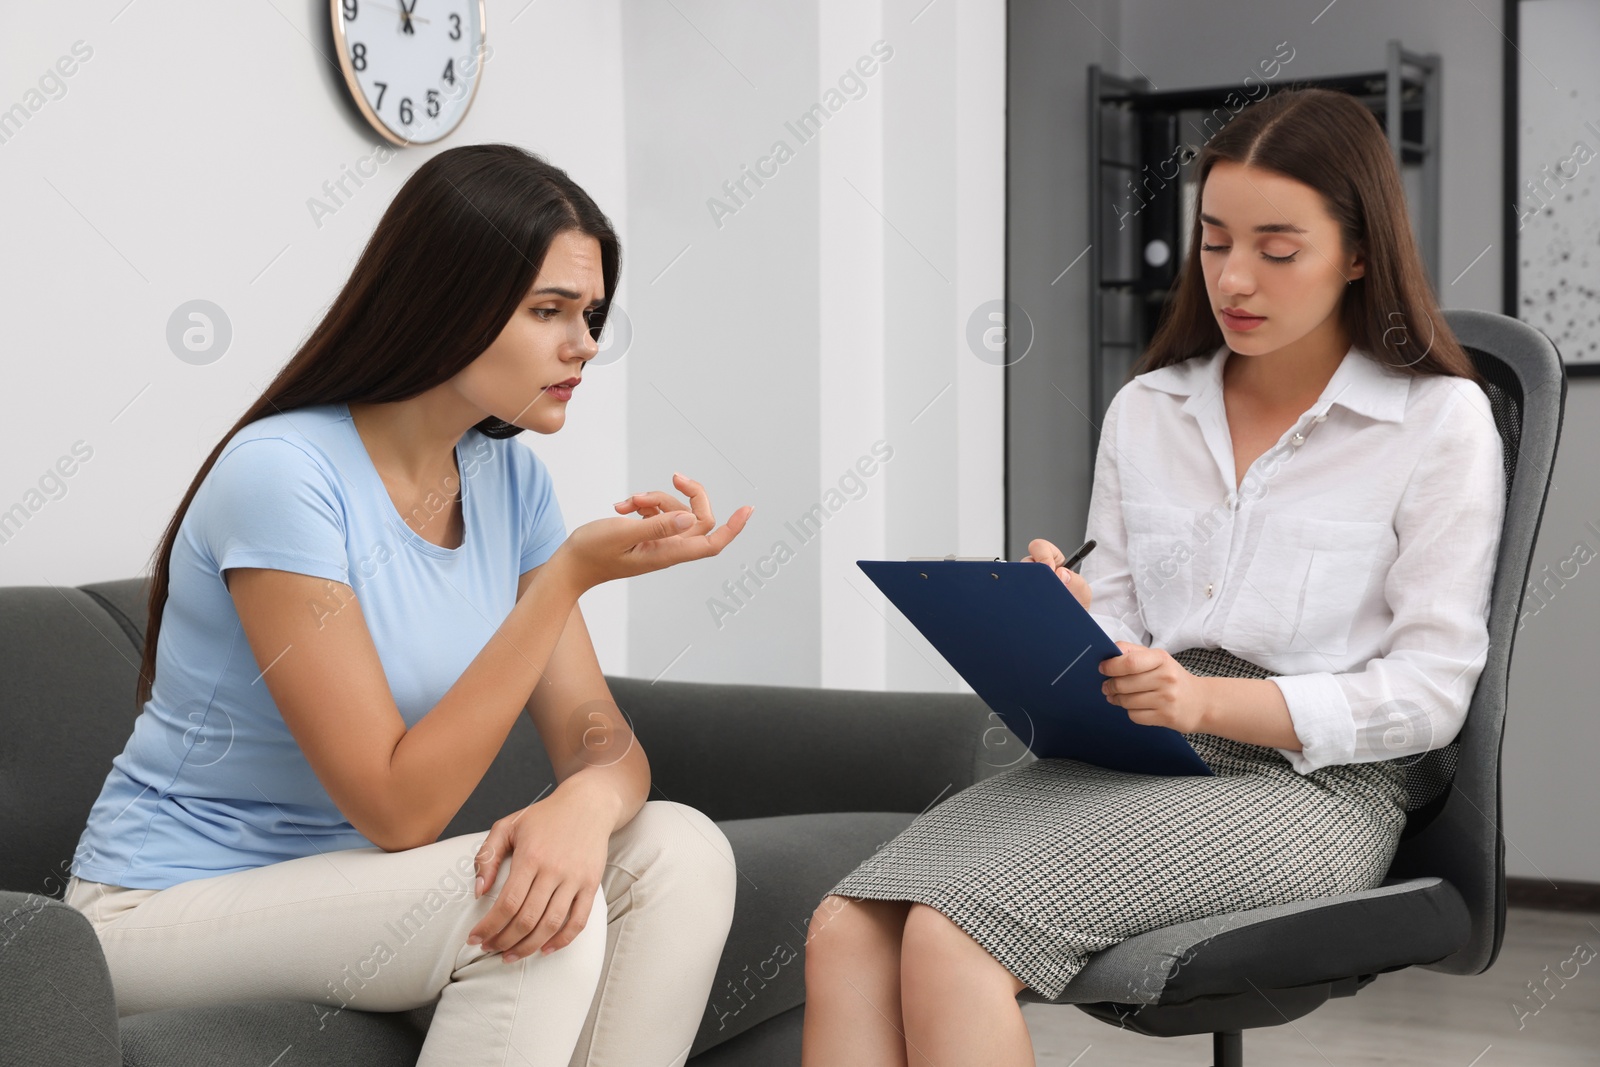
(820, 949)
(691, 825)
(937, 956)
(844, 930)
(689, 841)
(933, 940)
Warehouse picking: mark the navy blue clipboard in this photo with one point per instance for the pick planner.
(1031, 652)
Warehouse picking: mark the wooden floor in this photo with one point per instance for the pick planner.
(1408, 1018)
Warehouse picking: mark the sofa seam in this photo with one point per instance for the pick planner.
(117, 616)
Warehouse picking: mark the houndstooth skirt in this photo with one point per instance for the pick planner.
(1052, 860)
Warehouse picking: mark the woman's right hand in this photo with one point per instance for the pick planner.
(606, 549)
(1042, 551)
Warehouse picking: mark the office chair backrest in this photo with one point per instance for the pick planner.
(1459, 837)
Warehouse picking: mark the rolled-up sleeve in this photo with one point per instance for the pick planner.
(1414, 695)
(1114, 605)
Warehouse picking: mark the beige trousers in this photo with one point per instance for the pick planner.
(387, 931)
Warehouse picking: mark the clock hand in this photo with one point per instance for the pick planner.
(406, 12)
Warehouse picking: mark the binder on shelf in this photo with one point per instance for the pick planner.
(1031, 652)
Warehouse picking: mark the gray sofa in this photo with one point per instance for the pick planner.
(805, 783)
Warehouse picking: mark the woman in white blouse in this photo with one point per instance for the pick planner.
(1300, 492)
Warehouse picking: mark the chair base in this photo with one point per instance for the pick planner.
(1226, 1016)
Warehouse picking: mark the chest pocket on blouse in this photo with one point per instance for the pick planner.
(1305, 584)
(1162, 546)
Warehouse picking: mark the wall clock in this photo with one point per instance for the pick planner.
(412, 66)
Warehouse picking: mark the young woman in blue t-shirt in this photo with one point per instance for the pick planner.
(367, 584)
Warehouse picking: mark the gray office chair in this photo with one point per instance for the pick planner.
(1443, 904)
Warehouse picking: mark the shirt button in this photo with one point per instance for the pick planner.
(1319, 418)
(1298, 439)
(1208, 589)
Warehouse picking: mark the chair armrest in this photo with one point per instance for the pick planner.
(56, 1003)
(738, 751)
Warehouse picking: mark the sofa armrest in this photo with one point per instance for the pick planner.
(738, 751)
(56, 1003)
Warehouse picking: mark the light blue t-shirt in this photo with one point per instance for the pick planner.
(211, 781)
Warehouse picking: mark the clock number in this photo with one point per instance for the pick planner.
(408, 113)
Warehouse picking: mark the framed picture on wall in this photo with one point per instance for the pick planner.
(1552, 174)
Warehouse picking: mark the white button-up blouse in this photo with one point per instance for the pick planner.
(1355, 558)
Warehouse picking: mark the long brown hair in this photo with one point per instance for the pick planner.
(445, 269)
(1331, 142)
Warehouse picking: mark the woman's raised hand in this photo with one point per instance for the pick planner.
(1042, 551)
(667, 531)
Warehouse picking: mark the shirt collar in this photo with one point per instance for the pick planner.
(1360, 384)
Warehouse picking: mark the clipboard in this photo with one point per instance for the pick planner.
(1031, 652)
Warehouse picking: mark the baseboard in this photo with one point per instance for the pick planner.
(1552, 896)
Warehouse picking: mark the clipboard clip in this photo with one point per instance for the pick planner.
(952, 557)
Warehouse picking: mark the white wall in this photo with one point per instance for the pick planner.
(1552, 732)
(815, 314)
(177, 165)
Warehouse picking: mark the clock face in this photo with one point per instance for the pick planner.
(412, 65)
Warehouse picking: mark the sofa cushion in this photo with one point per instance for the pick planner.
(54, 986)
(67, 673)
(254, 1033)
(787, 864)
(776, 1041)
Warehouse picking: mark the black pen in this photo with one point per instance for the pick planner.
(1077, 557)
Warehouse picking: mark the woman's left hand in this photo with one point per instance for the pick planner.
(1154, 688)
(557, 849)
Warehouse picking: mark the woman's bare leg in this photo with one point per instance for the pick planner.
(959, 1003)
(853, 984)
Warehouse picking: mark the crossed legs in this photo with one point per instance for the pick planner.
(891, 983)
